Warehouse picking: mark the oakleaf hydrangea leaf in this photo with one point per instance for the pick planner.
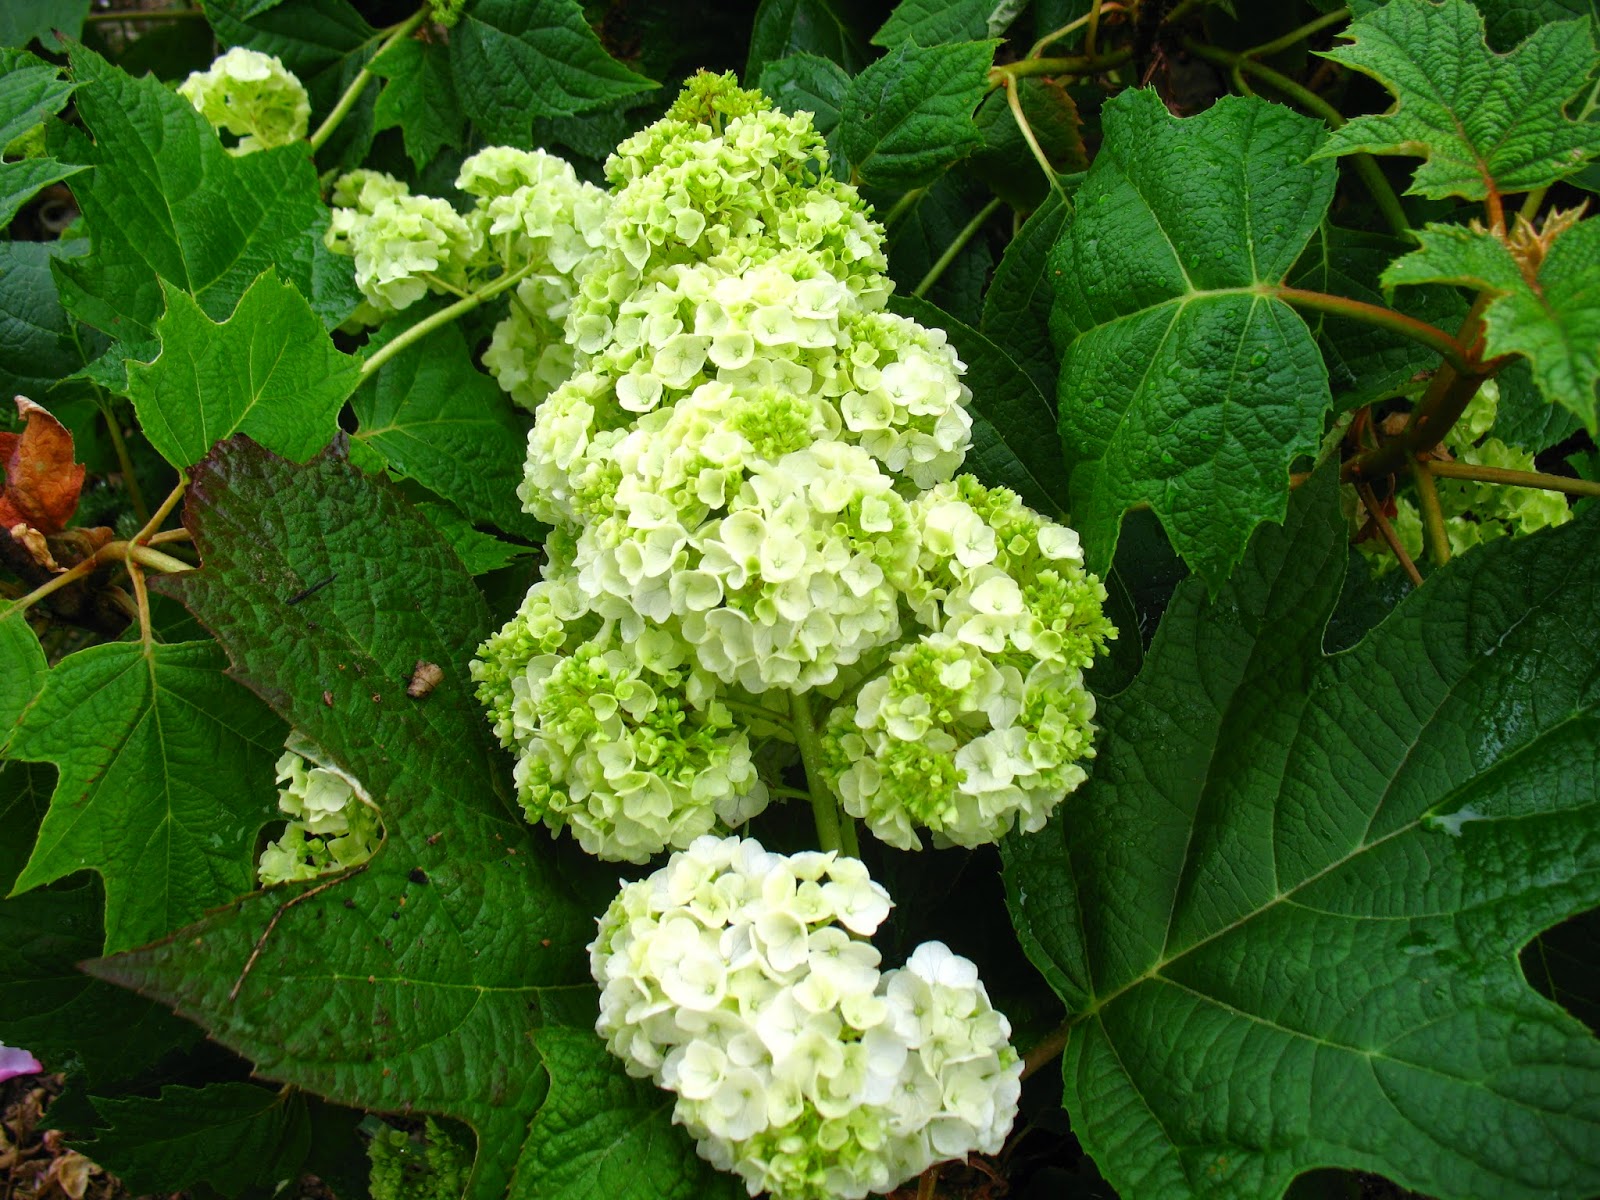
(1185, 385)
(420, 98)
(1016, 308)
(515, 60)
(822, 27)
(1486, 123)
(1552, 318)
(165, 202)
(422, 982)
(430, 414)
(933, 22)
(22, 666)
(1286, 909)
(268, 370)
(165, 778)
(908, 116)
(228, 1135)
(807, 83)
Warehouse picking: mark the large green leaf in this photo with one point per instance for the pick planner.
(229, 1135)
(268, 370)
(420, 98)
(933, 22)
(820, 27)
(909, 115)
(1552, 320)
(422, 982)
(431, 415)
(1016, 308)
(165, 778)
(23, 20)
(165, 202)
(807, 83)
(1509, 21)
(515, 60)
(1013, 426)
(1486, 123)
(1285, 911)
(39, 342)
(22, 666)
(1185, 385)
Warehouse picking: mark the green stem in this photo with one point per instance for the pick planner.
(1432, 513)
(363, 77)
(1365, 165)
(824, 807)
(1072, 64)
(1014, 102)
(110, 552)
(956, 247)
(124, 461)
(1295, 36)
(1431, 336)
(903, 205)
(443, 317)
(1375, 511)
(1055, 35)
(1527, 479)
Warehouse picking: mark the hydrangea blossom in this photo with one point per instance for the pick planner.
(752, 463)
(333, 822)
(736, 978)
(531, 217)
(253, 96)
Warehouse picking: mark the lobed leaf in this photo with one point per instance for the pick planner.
(807, 83)
(423, 981)
(1185, 384)
(786, 27)
(515, 60)
(1285, 910)
(908, 116)
(430, 414)
(1552, 319)
(420, 98)
(165, 779)
(934, 22)
(1486, 123)
(268, 370)
(29, 94)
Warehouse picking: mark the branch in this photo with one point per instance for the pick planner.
(1364, 490)
(1072, 64)
(1432, 513)
(1527, 479)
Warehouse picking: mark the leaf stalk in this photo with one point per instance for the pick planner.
(955, 247)
(1449, 348)
(1526, 479)
(1375, 511)
(1432, 513)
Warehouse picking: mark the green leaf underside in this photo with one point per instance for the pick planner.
(934, 22)
(165, 202)
(785, 27)
(1553, 321)
(1013, 427)
(1286, 908)
(165, 778)
(1367, 363)
(807, 83)
(420, 982)
(268, 370)
(420, 98)
(515, 60)
(1485, 122)
(1183, 388)
(1016, 309)
(908, 116)
(229, 1135)
(431, 415)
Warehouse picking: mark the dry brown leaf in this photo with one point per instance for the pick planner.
(41, 480)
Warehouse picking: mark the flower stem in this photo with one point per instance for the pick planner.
(1364, 490)
(824, 807)
(1527, 479)
(1014, 101)
(124, 461)
(1432, 513)
(341, 110)
(956, 247)
(441, 318)
(1295, 36)
(1448, 348)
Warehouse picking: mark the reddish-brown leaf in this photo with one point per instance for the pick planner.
(41, 480)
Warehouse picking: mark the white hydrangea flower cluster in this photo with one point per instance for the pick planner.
(333, 822)
(531, 217)
(252, 96)
(736, 978)
(753, 464)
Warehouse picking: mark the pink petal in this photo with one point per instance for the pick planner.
(17, 1062)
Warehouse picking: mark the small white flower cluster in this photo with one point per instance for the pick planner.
(736, 978)
(531, 217)
(252, 96)
(333, 822)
